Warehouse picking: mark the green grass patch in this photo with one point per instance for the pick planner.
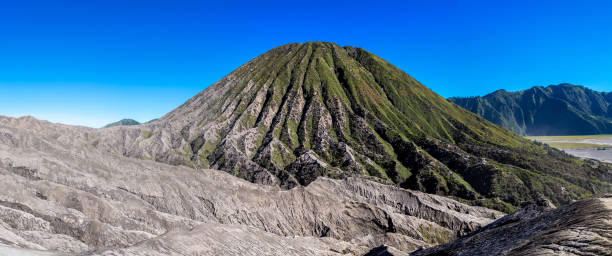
(435, 235)
(147, 134)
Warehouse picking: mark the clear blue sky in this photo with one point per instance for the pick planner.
(94, 62)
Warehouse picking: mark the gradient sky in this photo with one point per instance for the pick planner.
(94, 62)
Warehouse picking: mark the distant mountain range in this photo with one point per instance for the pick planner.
(123, 122)
(127, 122)
(563, 109)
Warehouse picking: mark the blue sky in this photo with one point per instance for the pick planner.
(94, 62)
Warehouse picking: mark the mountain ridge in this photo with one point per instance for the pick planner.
(563, 109)
(125, 121)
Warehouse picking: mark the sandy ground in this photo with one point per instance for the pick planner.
(10, 251)
(601, 155)
(588, 146)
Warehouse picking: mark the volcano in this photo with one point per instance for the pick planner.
(301, 111)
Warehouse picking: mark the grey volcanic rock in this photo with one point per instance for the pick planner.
(67, 197)
(214, 239)
(581, 228)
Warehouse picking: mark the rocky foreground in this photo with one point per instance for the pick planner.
(79, 200)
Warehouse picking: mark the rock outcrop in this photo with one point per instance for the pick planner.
(581, 228)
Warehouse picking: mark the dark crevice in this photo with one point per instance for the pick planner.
(344, 84)
(30, 174)
(308, 98)
(196, 145)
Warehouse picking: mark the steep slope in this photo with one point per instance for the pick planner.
(301, 111)
(123, 122)
(582, 228)
(563, 109)
(62, 197)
